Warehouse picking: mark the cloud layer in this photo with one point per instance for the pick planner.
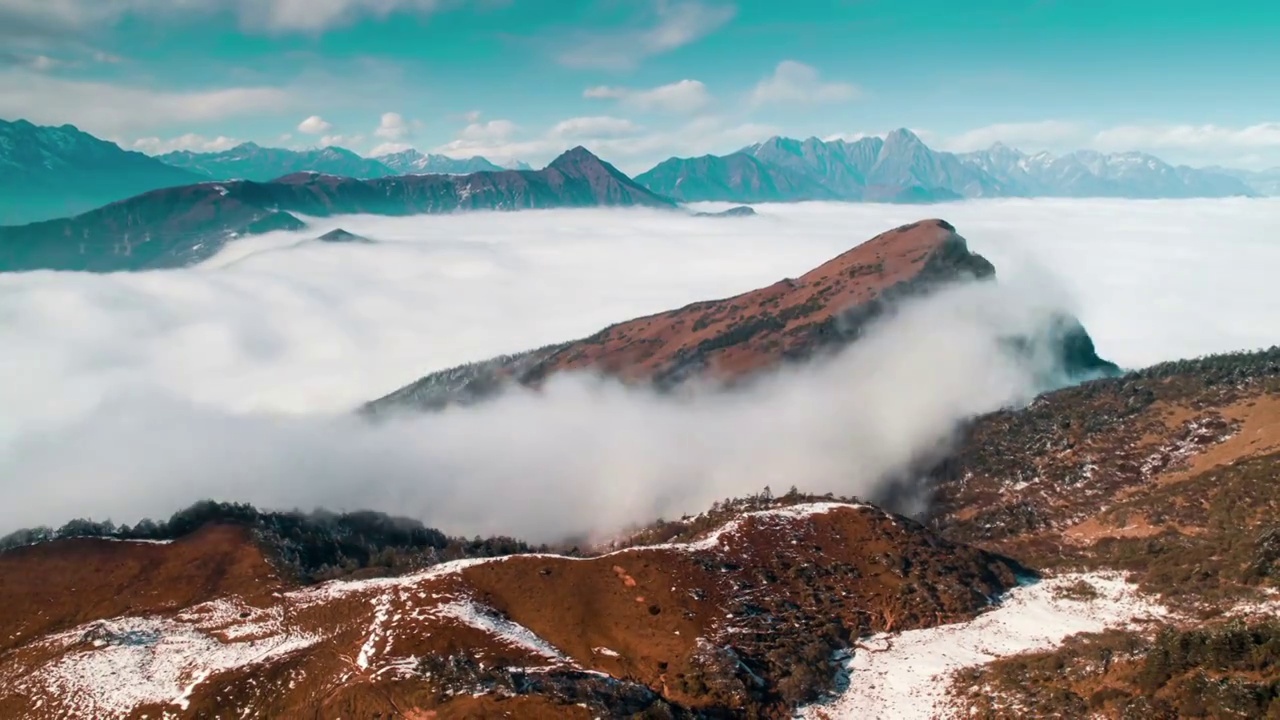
(142, 393)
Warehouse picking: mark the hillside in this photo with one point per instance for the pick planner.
(180, 226)
(50, 172)
(901, 168)
(730, 339)
(744, 618)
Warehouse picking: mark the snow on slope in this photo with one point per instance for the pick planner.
(905, 676)
(131, 661)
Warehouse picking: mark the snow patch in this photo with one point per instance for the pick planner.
(110, 667)
(504, 630)
(906, 675)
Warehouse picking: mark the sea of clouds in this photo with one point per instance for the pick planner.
(131, 395)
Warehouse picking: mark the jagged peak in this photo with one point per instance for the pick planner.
(576, 158)
(902, 136)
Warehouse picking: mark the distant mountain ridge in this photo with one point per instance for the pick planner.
(178, 226)
(901, 168)
(49, 172)
(250, 161)
(411, 161)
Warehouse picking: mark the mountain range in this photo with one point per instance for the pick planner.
(48, 172)
(177, 226)
(902, 168)
(1108, 550)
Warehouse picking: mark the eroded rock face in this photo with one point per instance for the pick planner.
(744, 615)
(730, 339)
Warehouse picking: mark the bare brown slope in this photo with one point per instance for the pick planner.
(50, 587)
(1171, 475)
(744, 618)
(733, 337)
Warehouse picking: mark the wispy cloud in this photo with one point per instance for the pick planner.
(189, 141)
(684, 97)
(120, 110)
(24, 18)
(796, 83)
(669, 25)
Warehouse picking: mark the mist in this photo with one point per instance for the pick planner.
(134, 395)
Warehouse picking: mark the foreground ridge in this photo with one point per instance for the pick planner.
(712, 626)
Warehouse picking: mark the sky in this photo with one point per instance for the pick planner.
(135, 394)
(642, 80)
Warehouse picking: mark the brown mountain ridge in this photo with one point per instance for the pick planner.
(733, 338)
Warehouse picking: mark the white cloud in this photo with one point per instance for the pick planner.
(315, 125)
(671, 24)
(1190, 137)
(189, 141)
(394, 127)
(109, 109)
(796, 83)
(491, 131)
(343, 141)
(595, 127)
(388, 148)
(686, 97)
(62, 17)
(236, 375)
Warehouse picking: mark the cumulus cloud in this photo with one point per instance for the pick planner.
(233, 379)
(795, 82)
(189, 141)
(394, 127)
(666, 26)
(685, 97)
(315, 125)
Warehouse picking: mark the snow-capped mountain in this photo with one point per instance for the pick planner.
(1087, 173)
(412, 162)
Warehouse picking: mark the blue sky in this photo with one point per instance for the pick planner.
(640, 80)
